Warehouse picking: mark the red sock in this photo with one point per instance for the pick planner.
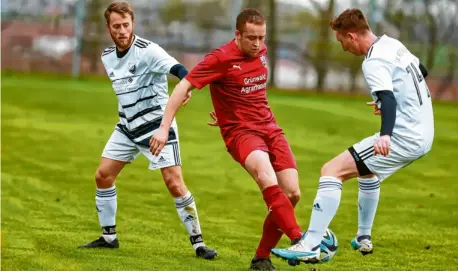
(270, 237)
(282, 211)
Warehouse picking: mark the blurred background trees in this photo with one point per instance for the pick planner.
(303, 52)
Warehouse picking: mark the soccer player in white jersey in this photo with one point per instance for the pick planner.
(396, 82)
(138, 69)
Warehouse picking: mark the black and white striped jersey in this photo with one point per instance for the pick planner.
(139, 79)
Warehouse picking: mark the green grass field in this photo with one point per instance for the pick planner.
(54, 130)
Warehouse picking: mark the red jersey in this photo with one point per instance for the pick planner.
(238, 88)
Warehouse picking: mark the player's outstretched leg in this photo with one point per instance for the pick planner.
(368, 197)
(187, 211)
(278, 204)
(106, 203)
(281, 211)
(271, 235)
(325, 206)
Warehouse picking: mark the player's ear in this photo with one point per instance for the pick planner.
(238, 34)
(352, 36)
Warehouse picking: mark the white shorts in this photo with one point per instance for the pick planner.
(119, 147)
(382, 167)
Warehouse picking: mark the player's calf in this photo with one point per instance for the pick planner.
(271, 234)
(106, 202)
(187, 210)
(368, 197)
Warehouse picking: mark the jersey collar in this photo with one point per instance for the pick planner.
(123, 53)
(370, 49)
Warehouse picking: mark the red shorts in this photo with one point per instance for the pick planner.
(241, 144)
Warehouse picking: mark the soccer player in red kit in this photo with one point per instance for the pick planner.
(237, 74)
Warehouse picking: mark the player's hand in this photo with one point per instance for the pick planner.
(187, 98)
(215, 120)
(158, 141)
(376, 110)
(382, 145)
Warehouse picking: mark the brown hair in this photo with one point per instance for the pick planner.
(351, 20)
(119, 7)
(251, 16)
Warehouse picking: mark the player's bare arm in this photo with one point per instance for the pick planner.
(179, 94)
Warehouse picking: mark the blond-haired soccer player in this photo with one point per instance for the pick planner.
(138, 71)
(396, 81)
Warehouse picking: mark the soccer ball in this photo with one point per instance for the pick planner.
(328, 246)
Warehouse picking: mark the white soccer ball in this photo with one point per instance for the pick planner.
(328, 246)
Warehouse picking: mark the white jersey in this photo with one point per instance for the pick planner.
(390, 66)
(139, 79)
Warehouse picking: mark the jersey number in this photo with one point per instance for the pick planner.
(417, 78)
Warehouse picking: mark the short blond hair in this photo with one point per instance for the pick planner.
(121, 8)
(351, 20)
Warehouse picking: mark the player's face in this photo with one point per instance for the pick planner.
(252, 39)
(349, 42)
(120, 29)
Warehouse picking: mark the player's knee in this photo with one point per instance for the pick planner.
(294, 196)
(325, 169)
(103, 179)
(263, 179)
(329, 169)
(174, 182)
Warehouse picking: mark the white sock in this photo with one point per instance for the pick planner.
(187, 211)
(368, 196)
(324, 208)
(106, 204)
